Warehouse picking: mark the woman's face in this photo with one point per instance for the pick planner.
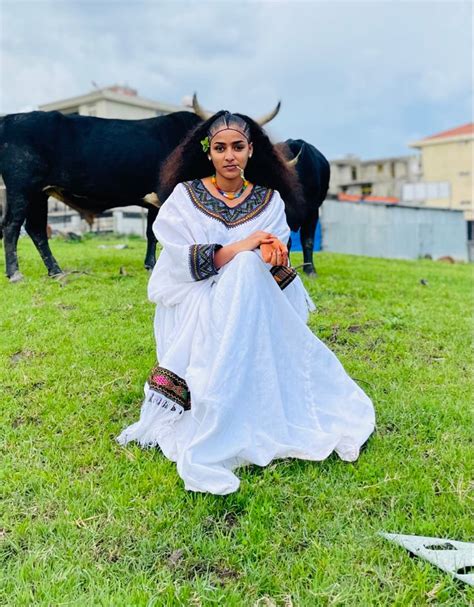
(229, 152)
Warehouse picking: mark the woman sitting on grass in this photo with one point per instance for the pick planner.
(241, 378)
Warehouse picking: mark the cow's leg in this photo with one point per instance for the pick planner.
(36, 226)
(150, 257)
(17, 205)
(308, 230)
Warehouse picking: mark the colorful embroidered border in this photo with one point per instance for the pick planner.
(283, 275)
(201, 260)
(170, 385)
(231, 217)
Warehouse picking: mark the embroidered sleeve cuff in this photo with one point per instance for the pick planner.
(201, 260)
(283, 275)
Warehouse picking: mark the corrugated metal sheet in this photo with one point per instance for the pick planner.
(379, 230)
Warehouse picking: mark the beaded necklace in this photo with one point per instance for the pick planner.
(230, 195)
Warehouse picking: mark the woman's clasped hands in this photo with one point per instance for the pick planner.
(272, 249)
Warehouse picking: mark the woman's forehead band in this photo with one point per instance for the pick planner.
(211, 137)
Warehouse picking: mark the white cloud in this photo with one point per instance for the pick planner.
(355, 76)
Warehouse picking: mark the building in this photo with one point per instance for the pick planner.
(381, 177)
(113, 102)
(447, 164)
(120, 102)
(440, 177)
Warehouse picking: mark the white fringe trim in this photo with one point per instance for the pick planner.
(309, 302)
(158, 415)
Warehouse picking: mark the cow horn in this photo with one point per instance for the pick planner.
(292, 162)
(270, 116)
(206, 115)
(199, 110)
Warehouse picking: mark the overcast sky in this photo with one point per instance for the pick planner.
(354, 77)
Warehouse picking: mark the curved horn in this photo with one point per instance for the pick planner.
(199, 110)
(292, 163)
(270, 116)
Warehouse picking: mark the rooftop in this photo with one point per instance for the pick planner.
(118, 93)
(465, 132)
(354, 160)
(465, 129)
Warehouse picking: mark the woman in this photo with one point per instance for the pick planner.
(241, 378)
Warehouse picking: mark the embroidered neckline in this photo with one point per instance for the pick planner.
(250, 207)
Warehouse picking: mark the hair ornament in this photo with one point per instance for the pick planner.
(205, 144)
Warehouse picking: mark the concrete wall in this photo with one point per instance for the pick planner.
(115, 109)
(130, 220)
(124, 220)
(392, 231)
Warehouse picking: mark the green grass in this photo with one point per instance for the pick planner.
(87, 522)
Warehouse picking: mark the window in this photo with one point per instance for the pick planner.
(426, 190)
(353, 173)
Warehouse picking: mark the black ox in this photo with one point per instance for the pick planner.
(95, 164)
(92, 164)
(314, 173)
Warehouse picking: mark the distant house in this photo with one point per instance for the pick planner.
(446, 160)
(380, 177)
(440, 177)
(113, 102)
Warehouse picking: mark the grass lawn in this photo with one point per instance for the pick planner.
(87, 522)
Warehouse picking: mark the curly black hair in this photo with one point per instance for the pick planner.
(267, 167)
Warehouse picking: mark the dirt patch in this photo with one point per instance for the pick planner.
(221, 571)
(175, 558)
(17, 357)
(26, 419)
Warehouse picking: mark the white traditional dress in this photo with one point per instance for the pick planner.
(241, 378)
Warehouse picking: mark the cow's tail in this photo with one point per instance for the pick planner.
(2, 141)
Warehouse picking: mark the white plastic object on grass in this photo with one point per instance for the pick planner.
(456, 558)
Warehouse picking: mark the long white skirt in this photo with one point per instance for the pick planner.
(262, 385)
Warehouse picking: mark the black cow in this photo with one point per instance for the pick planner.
(314, 172)
(92, 164)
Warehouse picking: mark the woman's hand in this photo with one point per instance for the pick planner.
(273, 250)
(228, 252)
(275, 253)
(255, 240)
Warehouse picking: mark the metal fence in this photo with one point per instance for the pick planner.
(380, 230)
